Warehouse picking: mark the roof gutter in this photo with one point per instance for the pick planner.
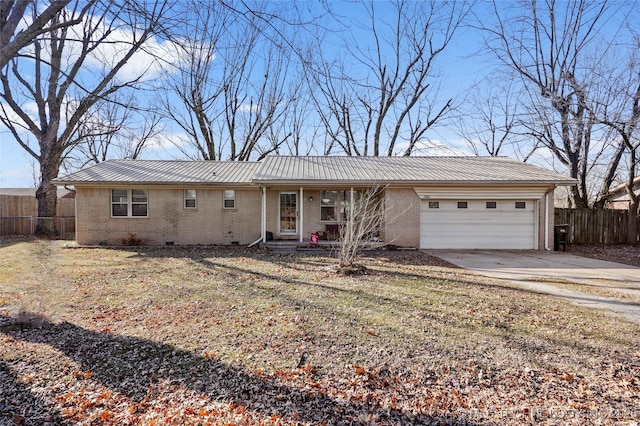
(284, 182)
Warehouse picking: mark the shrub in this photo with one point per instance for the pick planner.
(132, 240)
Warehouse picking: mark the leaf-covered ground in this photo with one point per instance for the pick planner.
(627, 254)
(245, 337)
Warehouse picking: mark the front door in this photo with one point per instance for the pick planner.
(288, 213)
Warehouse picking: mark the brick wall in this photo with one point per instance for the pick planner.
(168, 220)
(403, 217)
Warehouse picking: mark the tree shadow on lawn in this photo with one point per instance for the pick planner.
(497, 328)
(311, 258)
(19, 406)
(131, 366)
(462, 277)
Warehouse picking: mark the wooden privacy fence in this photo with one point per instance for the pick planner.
(26, 225)
(595, 226)
(19, 216)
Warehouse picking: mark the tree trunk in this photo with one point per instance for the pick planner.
(47, 196)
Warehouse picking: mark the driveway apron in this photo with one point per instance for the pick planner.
(536, 271)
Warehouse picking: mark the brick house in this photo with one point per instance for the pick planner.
(435, 202)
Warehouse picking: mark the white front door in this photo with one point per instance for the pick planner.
(288, 213)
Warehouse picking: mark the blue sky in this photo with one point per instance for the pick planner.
(460, 66)
(18, 168)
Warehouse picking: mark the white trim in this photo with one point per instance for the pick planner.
(185, 198)
(129, 203)
(301, 216)
(287, 231)
(485, 193)
(546, 221)
(225, 198)
(351, 208)
(536, 224)
(263, 214)
(478, 227)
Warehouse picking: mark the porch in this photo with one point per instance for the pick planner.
(291, 215)
(293, 246)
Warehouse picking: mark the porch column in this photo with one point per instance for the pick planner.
(263, 215)
(301, 227)
(351, 212)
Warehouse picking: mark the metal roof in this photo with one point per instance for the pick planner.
(410, 170)
(319, 170)
(163, 172)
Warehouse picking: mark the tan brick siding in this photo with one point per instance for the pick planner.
(168, 220)
(210, 224)
(403, 217)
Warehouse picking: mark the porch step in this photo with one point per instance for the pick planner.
(282, 249)
(290, 247)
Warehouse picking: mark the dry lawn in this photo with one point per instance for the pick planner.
(244, 337)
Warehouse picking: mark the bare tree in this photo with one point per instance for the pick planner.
(382, 96)
(490, 121)
(552, 48)
(366, 215)
(52, 70)
(254, 103)
(233, 81)
(195, 80)
(621, 112)
(36, 20)
(298, 128)
(366, 218)
(112, 130)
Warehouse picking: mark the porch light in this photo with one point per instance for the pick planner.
(310, 199)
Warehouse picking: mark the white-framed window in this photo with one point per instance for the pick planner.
(492, 205)
(190, 199)
(434, 204)
(463, 204)
(229, 199)
(335, 205)
(129, 203)
(521, 204)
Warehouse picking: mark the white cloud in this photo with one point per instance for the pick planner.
(146, 63)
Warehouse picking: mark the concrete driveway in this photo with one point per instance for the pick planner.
(537, 270)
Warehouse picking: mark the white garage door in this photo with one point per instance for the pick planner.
(477, 224)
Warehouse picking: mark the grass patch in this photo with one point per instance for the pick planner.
(228, 335)
(596, 287)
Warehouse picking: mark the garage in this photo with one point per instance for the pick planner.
(478, 224)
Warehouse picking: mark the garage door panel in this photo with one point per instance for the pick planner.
(504, 227)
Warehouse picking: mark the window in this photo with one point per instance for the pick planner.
(434, 204)
(334, 205)
(521, 204)
(190, 199)
(328, 205)
(462, 204)
(492, 205)
(229, 199)
(129, 203)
